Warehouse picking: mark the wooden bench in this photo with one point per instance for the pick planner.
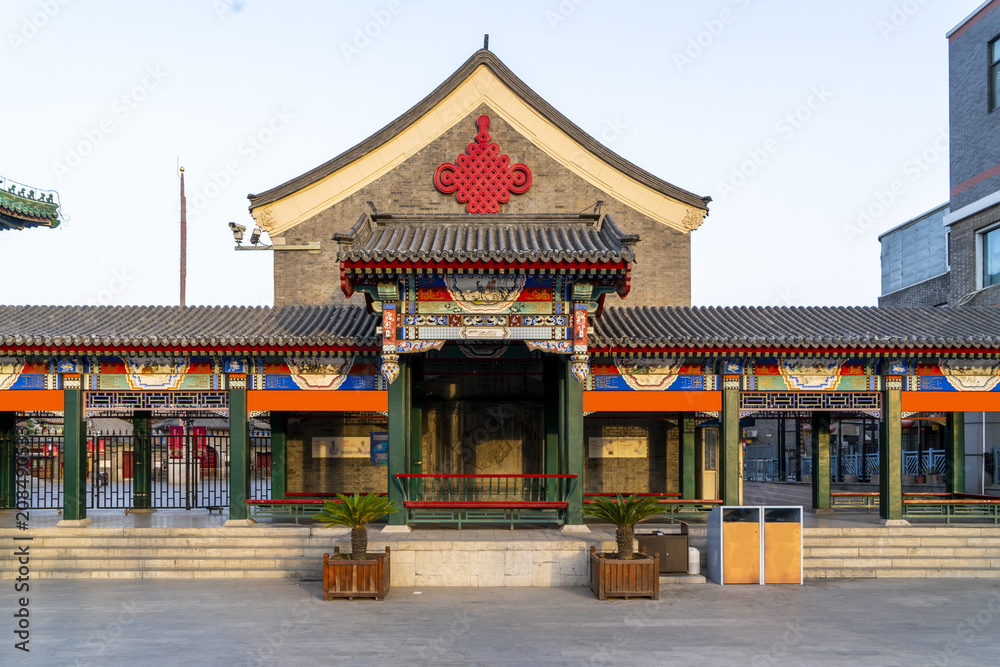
(853, 500)
(508, 499)
(955, 506)
(297, 505)
(673, 505)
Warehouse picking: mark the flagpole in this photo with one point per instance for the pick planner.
(183, 240)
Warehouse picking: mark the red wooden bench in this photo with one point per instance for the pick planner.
(510, 499)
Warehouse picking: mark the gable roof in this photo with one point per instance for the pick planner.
(799, 328)
(139, 327)
(483, 78)
(486, 238)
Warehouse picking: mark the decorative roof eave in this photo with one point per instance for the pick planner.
(483, 79)
(702, 351)
(182, 350)
(23, 206)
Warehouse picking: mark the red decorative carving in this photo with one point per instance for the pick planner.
(483, 178)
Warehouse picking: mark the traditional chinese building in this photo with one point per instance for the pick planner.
(504, 296)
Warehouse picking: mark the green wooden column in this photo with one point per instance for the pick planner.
(8, 459)
(416, 415)
(890, 465)
(729, 443)
(552, 400)
(239, 451)
(279, 456)
(821, 461)
(142, 460)
(74, 452)
(572, 412)
(688, 446)
(400, 410)
(954, 453)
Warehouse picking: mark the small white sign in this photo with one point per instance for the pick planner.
(618, 448)
(341, 448)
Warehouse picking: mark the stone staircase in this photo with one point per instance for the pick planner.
(143, 553)
(919, 551)
(969, 551)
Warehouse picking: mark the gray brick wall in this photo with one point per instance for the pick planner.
(661, 273)
(659, 472)
(975, 132)
(932, 292)
(964, 261)
(308, 474)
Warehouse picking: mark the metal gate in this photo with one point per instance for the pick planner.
(39, 455)
(187, 470)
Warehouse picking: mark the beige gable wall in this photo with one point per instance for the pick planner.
(661, 274)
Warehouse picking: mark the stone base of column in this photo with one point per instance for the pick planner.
(74, 523)
(893, 522)
(825, 510)
(574, 528)
(391, 528)
(239, 523)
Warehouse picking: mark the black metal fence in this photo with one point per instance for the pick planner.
(185, 470)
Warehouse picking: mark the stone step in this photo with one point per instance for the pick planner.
(917, 540)
(903, 562)
(900, 573)
(900, 551)
(245, 573)
(44, 564)
(132, 552)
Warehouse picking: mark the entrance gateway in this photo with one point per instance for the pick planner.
(467, 317)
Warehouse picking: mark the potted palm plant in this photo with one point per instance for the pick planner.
(359, 574)
(624, 573)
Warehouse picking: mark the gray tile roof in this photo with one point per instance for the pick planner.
(485, 238)
(800, 327)
(488, 59)
(199, 326)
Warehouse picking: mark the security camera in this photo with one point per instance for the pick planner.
(237, 231)
(255, 236)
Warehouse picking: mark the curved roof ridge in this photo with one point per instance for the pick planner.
(418, 110)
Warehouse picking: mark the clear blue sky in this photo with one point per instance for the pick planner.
(830, 102)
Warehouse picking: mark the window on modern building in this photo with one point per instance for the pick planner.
(991, 257)
(994, 59)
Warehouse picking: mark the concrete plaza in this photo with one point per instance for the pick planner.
(285, 622)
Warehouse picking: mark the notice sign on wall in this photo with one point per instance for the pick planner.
(341, 448)
(380, 448)
(618, 448)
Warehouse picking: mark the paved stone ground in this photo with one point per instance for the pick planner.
(285, 622)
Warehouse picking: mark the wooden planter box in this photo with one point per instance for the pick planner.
(345, 578)
(614, 578)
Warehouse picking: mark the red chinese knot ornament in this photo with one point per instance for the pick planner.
(483, 179)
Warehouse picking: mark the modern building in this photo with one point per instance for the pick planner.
(950, 256)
